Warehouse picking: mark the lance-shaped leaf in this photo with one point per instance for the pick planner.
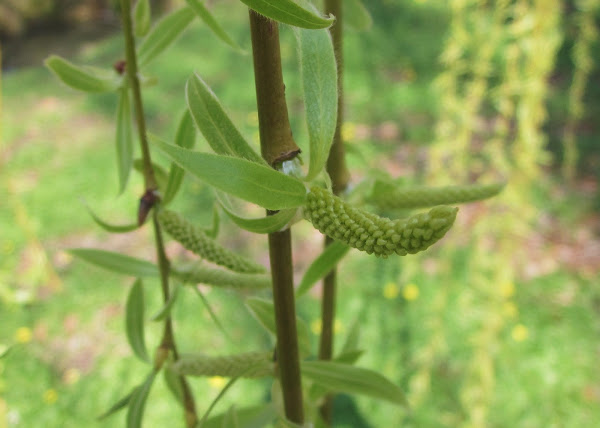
(141, 17)
(116, 262)
(85, 79)
(213, 232)
(269, 224)
(264, 311)
(163, 34)
(173, 382)
(248, 417)
(185, 137)
(124, 139)
(213, 314)
(339, 377)
(247, 180)
(203, 13)
(213, 122)
(135, 411)
(134, 320)
(319, 81)
(119, 405)
(113, 228)
(288, 12)
(356, 16)
(322, 265)
(165, 311)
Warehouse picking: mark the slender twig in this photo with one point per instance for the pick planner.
(277, 145)
(337, 170)
(168, 342)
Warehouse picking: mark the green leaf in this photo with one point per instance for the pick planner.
(268, 224)
(322, 265)
(213, 122)
(134, 320)
(349, 357)
(248, 417)
(319, 80)
(116, 262)
(124, 139)
(185, 137)
(203, 13)
(165, 311)
(216, 400)
(85, 79)
(173, 383)
(339, 377)
(124, 228)
(351, 343)
(135, 412)
(159, 172)
(213, 314)
(242, 178)
(356, 16)
(119, 405)
(141, 17)
(288, 12)
(264, 312)
(163, 34)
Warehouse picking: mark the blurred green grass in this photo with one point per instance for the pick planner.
(58, 148)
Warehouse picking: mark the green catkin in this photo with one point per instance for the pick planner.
(371, 233)
(200, 274)
(248, 365)
(195, 240)
(387, 196)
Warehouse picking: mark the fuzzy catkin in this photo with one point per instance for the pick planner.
(371, 233)
(248, 365)
(393, 197)
(199, 274)
(195, 240)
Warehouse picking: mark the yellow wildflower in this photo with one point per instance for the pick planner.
(217, 382)
(520, 333)
(391, 291)
(23, 335)
(507, 289)
(410, 292)
(50, 396)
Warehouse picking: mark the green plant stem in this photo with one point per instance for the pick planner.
(277, 145)
(338, 171)
(168, 341)
(132, 76)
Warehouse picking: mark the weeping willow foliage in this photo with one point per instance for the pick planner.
(498, 58)
(583, 64)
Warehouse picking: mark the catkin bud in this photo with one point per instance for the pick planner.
(199, 274)
(371, 233)
(249, 365)
(195, 240)
(387, 196)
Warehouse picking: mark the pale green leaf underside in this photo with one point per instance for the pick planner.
(356, 15)
(124, 139)
(288, 12)
(116, 262)
(268, 224)
(185, 137)
(163, 34)
(141, 17)
(322, 265)
(204, 14)
(319, 80)
(134, 320)
(135, 411)
(84, 79)
(239, 177)
(339, 377)
(214, 123)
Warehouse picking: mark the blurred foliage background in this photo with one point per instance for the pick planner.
(496, 326)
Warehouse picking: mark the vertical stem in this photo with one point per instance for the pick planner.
(168, 341)
(277, 145)
(132, 76)
(338, 171)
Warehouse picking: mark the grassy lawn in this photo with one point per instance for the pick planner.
(69, 359)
